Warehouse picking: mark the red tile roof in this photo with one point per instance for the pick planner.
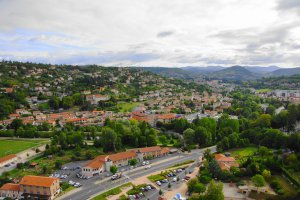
(122, 155)
(6, 158)
(41, 181)
(10, 187)
(149, 149)
(96, 163)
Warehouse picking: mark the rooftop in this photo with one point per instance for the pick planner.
(41, 181)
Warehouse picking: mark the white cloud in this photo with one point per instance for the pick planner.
(143, 32)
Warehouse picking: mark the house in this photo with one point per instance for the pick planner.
(96, 98)
(226, 162)
(95, 166)
(8, 159)
(39, 187)
(10, 190)
(14, 116)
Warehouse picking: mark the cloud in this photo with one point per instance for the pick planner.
(288, 4)
(151, 33)
(165, 34)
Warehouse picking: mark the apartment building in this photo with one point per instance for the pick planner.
(10, 190)
(39, 187)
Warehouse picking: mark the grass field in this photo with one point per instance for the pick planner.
(263, 90)
(111, 192)
(242, 152)
(126, 106)
(15, 146)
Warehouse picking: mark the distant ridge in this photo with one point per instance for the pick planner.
(234, 73)
(285, 72)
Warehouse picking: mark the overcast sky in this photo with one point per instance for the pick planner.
(151, 32)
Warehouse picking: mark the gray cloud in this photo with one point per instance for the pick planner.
(165, 34)
(288, 4)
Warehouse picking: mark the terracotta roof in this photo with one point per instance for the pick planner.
(223, 158)
(41, 181)
(149, 149)
(10, 187)
(6, 158)
(96, 163)
(165, 150)
(166, 116)
(122, 155)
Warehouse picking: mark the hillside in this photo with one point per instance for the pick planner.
(233, 73)
(169, 72)
(261, 70)
(285, 72)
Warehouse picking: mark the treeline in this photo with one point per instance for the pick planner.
(114, 136)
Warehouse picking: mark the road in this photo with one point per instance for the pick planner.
(98, 186)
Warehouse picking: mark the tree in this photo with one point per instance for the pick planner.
(58, 164)
(214, 168)
(163, 139)
(202, 136)
(160, 192)
(266, 174)
(133, 162)
(54, 102)
(109, 139)
(67, 102)
(189, 135)
(16, 123)
(258, 180)
(113, 169)
(199, 188)
(191, 184)
(214, 191)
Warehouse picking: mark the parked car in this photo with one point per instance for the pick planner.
(158, 183)
(148, 167)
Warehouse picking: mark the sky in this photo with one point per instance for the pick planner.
(151, 32)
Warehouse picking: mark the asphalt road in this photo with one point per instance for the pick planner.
(98, 186)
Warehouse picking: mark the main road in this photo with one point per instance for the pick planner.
(98, 186)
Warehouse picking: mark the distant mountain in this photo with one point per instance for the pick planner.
(234, 73)
(261, 70)
(203, 70)
(285, 72)
(169, 72)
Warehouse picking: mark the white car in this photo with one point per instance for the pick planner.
(158, 183)
(144, 163)
(147, 162)
(148, 167)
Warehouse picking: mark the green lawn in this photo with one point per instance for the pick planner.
(263, 90)
(8, 146)
(126, 106)
(243, 152)
(156, 177)
(182, 164)
(111, 192)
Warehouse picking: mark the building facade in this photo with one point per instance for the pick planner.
(39, 187)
